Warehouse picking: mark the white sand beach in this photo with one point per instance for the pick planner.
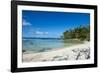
(76, 52)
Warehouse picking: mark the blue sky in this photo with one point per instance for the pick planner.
(51, 24)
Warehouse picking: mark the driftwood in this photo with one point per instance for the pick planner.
(84, 51)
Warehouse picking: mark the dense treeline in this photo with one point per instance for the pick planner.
(81, 33)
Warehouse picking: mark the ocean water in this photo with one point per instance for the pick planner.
(41, 45)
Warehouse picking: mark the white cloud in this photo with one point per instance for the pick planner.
(41, 33)
(38, 32)
(25, 23)
(45, 32)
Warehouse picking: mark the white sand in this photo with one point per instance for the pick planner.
(76, 52)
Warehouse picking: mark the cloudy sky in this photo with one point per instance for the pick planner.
(51, 24)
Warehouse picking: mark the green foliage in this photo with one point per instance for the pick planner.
(81, 33)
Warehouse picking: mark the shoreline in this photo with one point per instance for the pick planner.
(76, 52)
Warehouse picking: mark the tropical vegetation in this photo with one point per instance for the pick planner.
(80, 33)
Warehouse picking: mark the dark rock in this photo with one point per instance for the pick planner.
(23, 50)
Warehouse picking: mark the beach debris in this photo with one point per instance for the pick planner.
(82, 53)
(60, 58)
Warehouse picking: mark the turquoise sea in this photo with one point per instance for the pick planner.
(45, 44)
